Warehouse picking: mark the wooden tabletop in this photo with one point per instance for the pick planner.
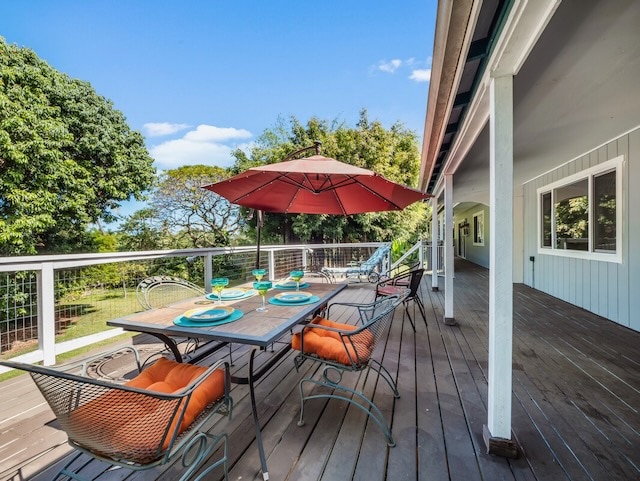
(255, 328)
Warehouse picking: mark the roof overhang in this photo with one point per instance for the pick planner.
(473, 40)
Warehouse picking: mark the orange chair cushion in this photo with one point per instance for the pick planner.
(121, 424)
(172, 377)
(329, 345)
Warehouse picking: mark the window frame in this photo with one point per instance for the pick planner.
(613, 165)
(478, 215)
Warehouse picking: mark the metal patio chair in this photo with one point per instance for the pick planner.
(130, 426)
(157, 291)
(343, 347)
(407, 285)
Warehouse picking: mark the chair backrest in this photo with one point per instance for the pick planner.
(157, 291)
(135, 424)
(120, 424)
(414, 282)
(377, 317)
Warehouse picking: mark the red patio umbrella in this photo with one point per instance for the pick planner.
(315, 185)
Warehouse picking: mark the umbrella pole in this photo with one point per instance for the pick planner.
(258, 236)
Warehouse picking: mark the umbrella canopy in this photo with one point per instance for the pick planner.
(315, 185)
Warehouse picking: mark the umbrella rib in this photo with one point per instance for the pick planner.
(378, 195)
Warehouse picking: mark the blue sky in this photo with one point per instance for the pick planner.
(201, 77)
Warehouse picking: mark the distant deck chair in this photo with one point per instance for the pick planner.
(369, 269)
(133, 427)
(407, 284)
(344, 347)
(157, 291)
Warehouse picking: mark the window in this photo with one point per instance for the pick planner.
(478, 229)
(579, 216)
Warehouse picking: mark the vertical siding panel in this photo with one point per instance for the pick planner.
(633, 224)
(613, 289)
(594, 282)
(579, 282)
(603, 153)
(603, 289)
(586, 286)
(571, 284)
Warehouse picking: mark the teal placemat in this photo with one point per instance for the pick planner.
(278, 302)
(184, 322)
(291, 285)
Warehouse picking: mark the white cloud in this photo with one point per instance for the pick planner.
(209, 133)
(159, 129)
(391, 66)
(207, 145)
(421, 75)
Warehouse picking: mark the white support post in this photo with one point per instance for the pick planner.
(303, 252)
(497, 433)
(208, 272)
(434, 243)
(449, 319)
(421, 253)
(272, 265)
(46, 314)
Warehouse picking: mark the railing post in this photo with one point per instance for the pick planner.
(46, 314)
(272, 265)
(304, 258)
(208, 272)
(421, 253)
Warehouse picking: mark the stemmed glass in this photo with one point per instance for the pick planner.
(262, 287)
(217, 285)
(297, 277)
(259, 274)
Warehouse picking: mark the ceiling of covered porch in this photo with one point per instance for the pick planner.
(577, 89)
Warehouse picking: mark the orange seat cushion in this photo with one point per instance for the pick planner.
(329, 344)
(127, 425)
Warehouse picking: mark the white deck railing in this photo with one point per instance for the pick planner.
(48, 275)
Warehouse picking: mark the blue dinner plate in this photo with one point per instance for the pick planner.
(293, 297)
(277, 302)
(184, 322)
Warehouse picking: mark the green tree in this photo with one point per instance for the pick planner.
(392, 153)
(68, 158)
(195, 216)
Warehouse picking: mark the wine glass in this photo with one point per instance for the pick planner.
(262, 287)
(259, 274)
(297, 276)
(217, 285)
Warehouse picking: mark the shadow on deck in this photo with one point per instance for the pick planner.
(576, 392)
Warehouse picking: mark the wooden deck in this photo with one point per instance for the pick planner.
(576, 395)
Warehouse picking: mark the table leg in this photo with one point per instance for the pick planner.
(170, 343)
(256, 421)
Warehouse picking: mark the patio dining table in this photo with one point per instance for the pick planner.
(257, 329)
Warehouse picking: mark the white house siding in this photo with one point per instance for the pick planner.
(609, 289)
(476, 254)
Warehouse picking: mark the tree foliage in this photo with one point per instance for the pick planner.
(392, 153)
(67, 157)
(201, 217)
